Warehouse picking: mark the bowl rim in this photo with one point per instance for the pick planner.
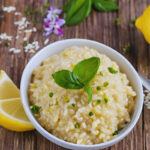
(59, 141)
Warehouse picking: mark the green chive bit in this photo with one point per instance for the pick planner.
(26, 11)
(115, 132)
(133, 21)
(51, 94)
(41, 12)
(127, 48)
(5, 44)
(50, 105)
(147, 67)
(101, 74)
(106, 100)
(99, 101)
(91, 114)
(105, 84)
(76, 125)
(117, 21)
(98, 88)
(73, 105)
(35, 109)
(35, 21)
(46, 5)
(111, 70)
(25, 43)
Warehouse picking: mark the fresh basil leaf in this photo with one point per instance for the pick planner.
(86, 70)
(67, 6)
(88, 90)
(105, 5)
(67, 80)
(78, 11)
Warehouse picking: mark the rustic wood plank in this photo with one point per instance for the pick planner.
(98, 26)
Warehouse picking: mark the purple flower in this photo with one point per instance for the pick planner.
(55, 11)
(52, 22)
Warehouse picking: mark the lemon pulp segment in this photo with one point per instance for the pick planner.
(7, 87)
(12, 115)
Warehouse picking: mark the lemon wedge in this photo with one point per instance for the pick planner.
(143, 24)
(7, 87)
(12, 115)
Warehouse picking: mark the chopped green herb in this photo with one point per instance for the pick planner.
(35, 21)
(50, 105)
(98, 88)
(127, 48)
(117, 21)
(27, 11)
(5, 44)
(147, 67)
(99, 101)
(51, 94)
(115, 132)
(41, 12)
(25, 43)
(91, 114)
(106, 100)
(73, 105)
(133, 21)
(46, 5)
(101, 73)
(35, 109)
(105, 84)
(111, 70)
(36, 11)
(76, 125)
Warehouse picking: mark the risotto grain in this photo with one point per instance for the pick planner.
(67, 114)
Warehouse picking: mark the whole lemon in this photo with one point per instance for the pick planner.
(143, 24)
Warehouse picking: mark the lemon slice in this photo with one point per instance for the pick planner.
(143, 24)
(7, 87)
(12, 115)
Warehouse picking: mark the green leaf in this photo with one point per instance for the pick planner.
(105, 5)
(67, 80)
(86, 70)
(77, 11)
(67, 6)
(88, 90)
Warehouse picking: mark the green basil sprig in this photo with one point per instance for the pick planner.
(77, 10)
(80, 77)
(105, 5)
(67, 80)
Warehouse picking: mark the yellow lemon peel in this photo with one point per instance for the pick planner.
(143, 24)
(12, 115)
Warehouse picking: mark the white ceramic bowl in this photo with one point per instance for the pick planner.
(59, 46)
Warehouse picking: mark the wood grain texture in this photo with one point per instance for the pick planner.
(98, 26)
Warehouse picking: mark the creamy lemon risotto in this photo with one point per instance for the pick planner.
(67, 114)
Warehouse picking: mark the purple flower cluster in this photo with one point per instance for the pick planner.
(52, 22)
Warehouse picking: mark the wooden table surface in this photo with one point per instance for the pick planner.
(98, 26)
